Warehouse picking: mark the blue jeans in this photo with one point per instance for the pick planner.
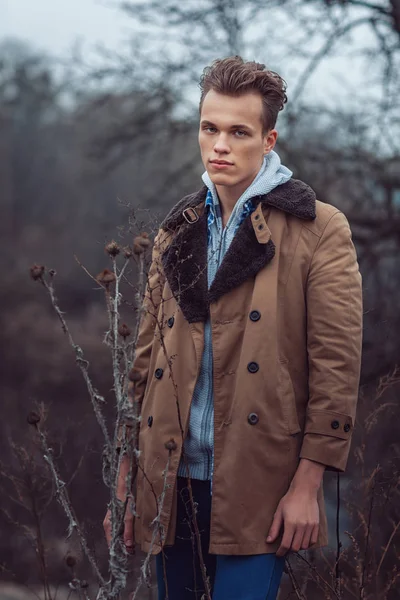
(231, 577)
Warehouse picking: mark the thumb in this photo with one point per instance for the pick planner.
(128, 531)
(276, 525)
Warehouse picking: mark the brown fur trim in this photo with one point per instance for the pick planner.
(185, 260)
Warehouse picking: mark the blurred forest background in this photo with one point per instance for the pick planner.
(83, 142)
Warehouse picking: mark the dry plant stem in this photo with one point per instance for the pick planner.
(63, 498)
(338, 541)
(83, 364)
(75, 586)
(36, 541)
(117, 552)
(125, 351)
(139, 297)
(371, 507)
(41, 554)
(319, 580)
(131, 347)
(307, 577)
(396, 528)
(86, 271)
(117, 559)
(198, 541)
(158, 530)
(293, 580)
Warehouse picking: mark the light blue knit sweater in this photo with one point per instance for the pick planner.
(198, 446)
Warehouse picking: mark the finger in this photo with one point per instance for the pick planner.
(298, 538)
(287, 539)
(107, 528)
(276, 526)
(314, 535)
(128, 534)
(307, 537)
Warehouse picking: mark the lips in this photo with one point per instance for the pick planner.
(220, 162)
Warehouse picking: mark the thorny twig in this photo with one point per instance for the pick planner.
(371, 507)
(83, 364)
(63, 498)
(293, 581)
(338, 541)
(157, 530)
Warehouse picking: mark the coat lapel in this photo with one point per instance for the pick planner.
(244, 259)
(185, 267)
(185, 259)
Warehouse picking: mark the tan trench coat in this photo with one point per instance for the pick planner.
(286, 317)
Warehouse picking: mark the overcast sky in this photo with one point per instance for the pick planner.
(54, 25)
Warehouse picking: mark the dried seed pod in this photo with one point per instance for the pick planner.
(70, 561)
(37, 272)
(128, 252)
(106, 277)
(171, 445)
(124, 330)
(141, 243)
(112, 248)
(33, 418)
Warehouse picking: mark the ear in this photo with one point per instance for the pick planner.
(270, 140)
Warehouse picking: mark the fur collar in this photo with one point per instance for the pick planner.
(185, 259)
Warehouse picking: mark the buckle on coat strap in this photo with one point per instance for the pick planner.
(190, 215)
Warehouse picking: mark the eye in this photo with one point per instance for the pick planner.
(209, 129)
(240, 133)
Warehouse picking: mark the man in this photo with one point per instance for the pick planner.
(248, 358)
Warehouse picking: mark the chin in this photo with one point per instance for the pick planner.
(221, 179)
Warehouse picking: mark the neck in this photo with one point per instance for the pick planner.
(227, 198)
(229, 195)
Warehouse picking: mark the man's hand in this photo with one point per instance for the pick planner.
(129, 519)
(129, 524)
(298, 510)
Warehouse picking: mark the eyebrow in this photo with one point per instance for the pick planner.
(238, 126)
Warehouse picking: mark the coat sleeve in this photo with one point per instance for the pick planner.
(334, 340)
(148, 321)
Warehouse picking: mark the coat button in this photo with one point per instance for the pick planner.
(171, 322)
(150, 421)
(255, 315)
(253, 418)
(158, 373)
(252, 367)
(335, 424)
(347, 427)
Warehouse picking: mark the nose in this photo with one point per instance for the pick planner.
(221, 145)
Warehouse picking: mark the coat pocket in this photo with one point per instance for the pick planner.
(287, 398)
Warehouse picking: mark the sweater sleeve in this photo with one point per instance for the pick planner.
(334, 340)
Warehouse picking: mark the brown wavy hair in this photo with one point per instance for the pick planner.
(234, 76)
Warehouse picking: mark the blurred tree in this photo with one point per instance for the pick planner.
(295, 37)
(28, 100)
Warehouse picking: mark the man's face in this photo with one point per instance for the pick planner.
(231, 139)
